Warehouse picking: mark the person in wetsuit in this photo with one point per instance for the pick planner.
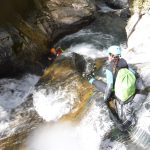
(54, 53)
(125, 111)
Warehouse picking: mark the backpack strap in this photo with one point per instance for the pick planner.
(118, 64)
(115, 64)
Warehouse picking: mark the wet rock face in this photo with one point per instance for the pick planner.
(57, 17)
(140, 48)
(24, 118)
(6, 52)
(33, 26)
(16, 52)
(117, 3)
(8, 7)
(68, 12)
(22, 121)
(138, 33)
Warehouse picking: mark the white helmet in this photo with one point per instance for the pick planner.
(115, 50)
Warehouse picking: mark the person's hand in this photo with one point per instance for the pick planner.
(49, 58)
(89, 77)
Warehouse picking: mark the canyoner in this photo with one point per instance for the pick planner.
(125, 85)
(120, 89)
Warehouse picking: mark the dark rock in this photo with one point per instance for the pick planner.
(117, 4)
(6, 52)
(15, 57)
(24, 119)
(33, 27)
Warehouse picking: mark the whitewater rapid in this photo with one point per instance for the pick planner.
(92, 131)
(13, 92)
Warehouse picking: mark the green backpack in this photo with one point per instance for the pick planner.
(125, 84)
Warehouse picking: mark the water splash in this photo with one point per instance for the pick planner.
(13, 92)
(52, 104)
(88, 39)
(141, 133)
(62, 136)
(85, 135)
(87, 50)
(4, 117)
(112, 145)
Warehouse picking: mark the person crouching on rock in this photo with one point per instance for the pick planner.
(54, 53)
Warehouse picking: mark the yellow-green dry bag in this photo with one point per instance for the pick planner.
(125, 84)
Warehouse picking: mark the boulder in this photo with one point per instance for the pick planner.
(137, 54)
(118, 4)
(26, 117)
(34, 26)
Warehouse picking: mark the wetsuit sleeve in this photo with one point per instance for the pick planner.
(52, 57)
(109, 78)
(103, 87)
(109, 88)
(100, 85)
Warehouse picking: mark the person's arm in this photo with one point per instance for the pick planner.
(109, 88)
(101, 86)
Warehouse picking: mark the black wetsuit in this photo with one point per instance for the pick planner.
(52, 57)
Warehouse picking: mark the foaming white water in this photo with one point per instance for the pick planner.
(98, 121)
(12, 93)
(63, 136)
(4, 117)
(144, 116)
(113, 145)
(144, 121)
(102, 7)
(141, 133)
(52, 105)
(83, 34)
(85, 135)
(98, 118)
(85, 49)
(86, 42)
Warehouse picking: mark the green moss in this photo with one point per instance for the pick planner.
(146, 5)
(136, 6)
(139, 6)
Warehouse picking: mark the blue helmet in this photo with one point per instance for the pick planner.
(115, 50)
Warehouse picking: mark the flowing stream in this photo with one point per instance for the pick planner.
(93, 130)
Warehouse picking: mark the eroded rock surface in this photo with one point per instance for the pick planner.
(32, 28)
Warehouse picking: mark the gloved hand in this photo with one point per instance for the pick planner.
(90, 67)
(89, 77)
